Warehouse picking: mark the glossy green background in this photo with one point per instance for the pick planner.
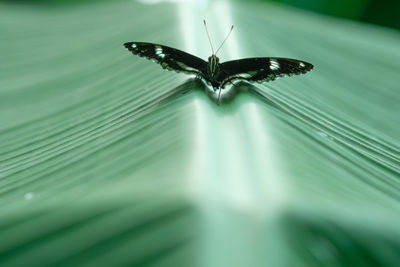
(381, 12)
(106, 159)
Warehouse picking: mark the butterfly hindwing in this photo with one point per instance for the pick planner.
(169, 58)
(261, 69)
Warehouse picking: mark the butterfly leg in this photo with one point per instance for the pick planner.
(233, 83)
(219, 94)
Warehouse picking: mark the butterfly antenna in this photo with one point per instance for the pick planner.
(209, 39)
(224, 40)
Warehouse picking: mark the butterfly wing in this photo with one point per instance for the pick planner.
(169, 58)
(261, 69)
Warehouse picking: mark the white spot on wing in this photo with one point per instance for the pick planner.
(302, 64)
(133, 45)
(273, 64)
(159, 52)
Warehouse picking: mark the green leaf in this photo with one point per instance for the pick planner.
(106, 159)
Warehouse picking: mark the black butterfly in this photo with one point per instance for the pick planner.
(258, 69)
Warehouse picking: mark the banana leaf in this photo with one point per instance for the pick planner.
(107, 160)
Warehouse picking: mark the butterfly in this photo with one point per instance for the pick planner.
(214, 73)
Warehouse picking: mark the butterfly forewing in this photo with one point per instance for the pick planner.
(169, 58)
(261, 69)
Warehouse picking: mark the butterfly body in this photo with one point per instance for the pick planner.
(216, 74)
